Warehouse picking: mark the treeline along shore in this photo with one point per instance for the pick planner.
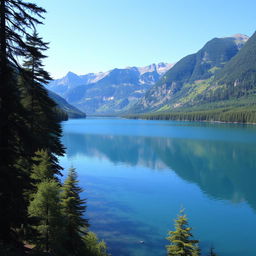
(234, 115)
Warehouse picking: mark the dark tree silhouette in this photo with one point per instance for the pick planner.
(18, 20)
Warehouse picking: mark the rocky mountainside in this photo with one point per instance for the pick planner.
(108, 92)
(240, 71)
(189, 82)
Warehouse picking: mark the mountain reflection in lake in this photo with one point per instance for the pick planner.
(138, 176)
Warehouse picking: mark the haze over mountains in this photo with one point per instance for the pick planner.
(108, 92)
(71, 111)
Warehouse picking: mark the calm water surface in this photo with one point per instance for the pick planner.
(138, 174)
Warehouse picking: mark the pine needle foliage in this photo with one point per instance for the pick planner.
(73, 209)
(42, 114)
(42, 167)
(45, 206)
(181, 242)
(17, 19)
(94, 246)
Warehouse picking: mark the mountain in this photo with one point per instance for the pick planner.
(189, 82)
(71, 80)
(108, 92)
(240, 71)
(72, 111)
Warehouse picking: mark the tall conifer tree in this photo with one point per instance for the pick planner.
(42, 167)
(35, 74)
(18, 20)
(16, 17)
(45, 206)
(73, 209)
(42, 115)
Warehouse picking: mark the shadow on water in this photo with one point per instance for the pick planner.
(222, 169)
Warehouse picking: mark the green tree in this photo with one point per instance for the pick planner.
(94, 247)
(45, 206)
(42, 111)
(181, 243)
(42, 167)
(16, 19)
(28, 116)
(73, 209)
(35, 75)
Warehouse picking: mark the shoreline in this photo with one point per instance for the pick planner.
(186, 120)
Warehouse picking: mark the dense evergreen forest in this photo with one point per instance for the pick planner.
(236, 115)
(38, 214)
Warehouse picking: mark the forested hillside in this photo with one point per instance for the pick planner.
(190, 77)
(239, 74)
(216, 84)
(39, 215)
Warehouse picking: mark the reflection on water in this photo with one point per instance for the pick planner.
(137, 175)
(223, 170)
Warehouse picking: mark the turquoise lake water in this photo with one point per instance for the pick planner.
(138, 174)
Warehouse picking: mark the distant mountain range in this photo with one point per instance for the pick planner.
(190, 82)
(108, 92)
(219, 79)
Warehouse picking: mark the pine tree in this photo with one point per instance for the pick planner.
(42, 167)
(45, 206)
(41, 109)
(28, 116)
(73, 209)
(35, 75)
(33, 59)
(16, 19)
(94, 247)
(181, 243)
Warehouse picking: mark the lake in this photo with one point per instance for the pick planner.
(138, 174)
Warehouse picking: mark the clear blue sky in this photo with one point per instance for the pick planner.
(98, 35)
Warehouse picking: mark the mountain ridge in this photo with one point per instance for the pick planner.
(190, 76)
(219, 77)
(108, 92)
(228, 96)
